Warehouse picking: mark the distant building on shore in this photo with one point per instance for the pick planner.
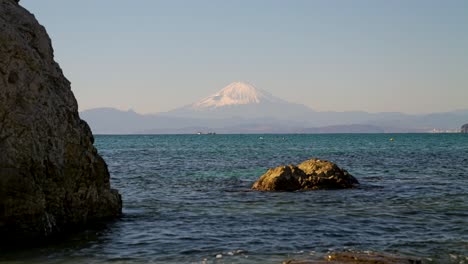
(464, 128)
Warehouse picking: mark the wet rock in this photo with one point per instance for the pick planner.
(52, 180)
(358, 258)
(312, 174)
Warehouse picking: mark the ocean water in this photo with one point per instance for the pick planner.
(187, 200)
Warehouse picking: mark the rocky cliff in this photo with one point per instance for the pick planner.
(52, 180)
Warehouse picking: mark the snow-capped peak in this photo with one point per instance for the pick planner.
(236, 93)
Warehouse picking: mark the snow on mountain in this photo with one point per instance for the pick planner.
(241, 100)
(236, 93)
(242, 108)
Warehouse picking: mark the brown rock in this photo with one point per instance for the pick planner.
(358, 258)
(309, 175)
(282, 178)
(370, 258)
(322, 174)
(52, 180)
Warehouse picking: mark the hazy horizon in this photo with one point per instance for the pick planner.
(156, 56)
(130, 109)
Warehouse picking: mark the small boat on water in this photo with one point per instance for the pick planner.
(203, 133)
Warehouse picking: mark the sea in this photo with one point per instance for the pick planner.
(187, 199)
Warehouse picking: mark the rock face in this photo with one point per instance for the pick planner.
(312, 174)
(52, 180)
(464, 128)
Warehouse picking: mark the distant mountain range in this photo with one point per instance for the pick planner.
(242, 100)
(242, 108)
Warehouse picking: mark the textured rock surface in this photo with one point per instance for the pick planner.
(312, 174)
(282, 178)
(358, 258)
(52, 179)
(464, 128)
(322, 174)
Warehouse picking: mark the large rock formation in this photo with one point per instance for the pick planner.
(52, 180)
(311, 174)
(464, 128)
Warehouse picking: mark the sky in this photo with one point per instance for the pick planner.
(153, 56)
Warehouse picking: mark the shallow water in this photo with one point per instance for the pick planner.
(187, 199)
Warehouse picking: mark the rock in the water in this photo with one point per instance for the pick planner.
(322, 174)
(52, 180)
(312, 174)
(464, 128)
(355, 257)
(358, 258)
(282, 178)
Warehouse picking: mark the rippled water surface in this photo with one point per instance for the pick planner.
(187, 200)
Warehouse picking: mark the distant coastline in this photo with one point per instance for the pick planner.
(114, 121)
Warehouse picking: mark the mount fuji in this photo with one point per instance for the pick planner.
(242, 100)
(242, 108)
(237, 93)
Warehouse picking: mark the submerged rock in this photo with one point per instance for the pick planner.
(52, 180)
(312, 174)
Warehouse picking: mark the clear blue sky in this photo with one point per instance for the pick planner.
(152, 56)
